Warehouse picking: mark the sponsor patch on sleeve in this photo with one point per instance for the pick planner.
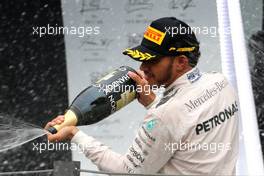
(150, 125)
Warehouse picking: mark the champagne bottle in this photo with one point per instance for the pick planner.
(98, 101)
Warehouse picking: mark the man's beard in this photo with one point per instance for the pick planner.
(168, 76)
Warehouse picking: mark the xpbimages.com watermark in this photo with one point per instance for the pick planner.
(80, 31)
(58, 146)
(169, 147)
(146, 89)
(212, 147)
(211, 31)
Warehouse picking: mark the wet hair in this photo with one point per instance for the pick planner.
(190, 40)
(193, 56)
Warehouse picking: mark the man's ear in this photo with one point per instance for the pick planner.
(181, 62)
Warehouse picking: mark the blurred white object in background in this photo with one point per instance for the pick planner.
(235, 67)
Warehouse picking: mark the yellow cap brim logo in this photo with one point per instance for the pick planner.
(154, 35)
(139, 55)
(186, 49)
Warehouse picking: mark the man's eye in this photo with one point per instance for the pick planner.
(154, 61)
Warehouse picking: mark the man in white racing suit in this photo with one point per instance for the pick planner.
(192, 129)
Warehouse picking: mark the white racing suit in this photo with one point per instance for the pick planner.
(193, 129)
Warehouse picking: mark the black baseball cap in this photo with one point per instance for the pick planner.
(166, 36)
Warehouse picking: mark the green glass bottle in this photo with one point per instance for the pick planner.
(98, 101)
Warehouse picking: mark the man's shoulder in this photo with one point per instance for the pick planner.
(213, 75)
(207, 79)
(177, 99)
(169, 105)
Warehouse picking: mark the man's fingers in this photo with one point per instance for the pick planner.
(136, 78)
(141, 73)
(53, 137)
(61, 117)
(58, 120)
(49, 124)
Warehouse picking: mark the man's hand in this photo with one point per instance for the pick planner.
(146, 96)
(66, 133)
